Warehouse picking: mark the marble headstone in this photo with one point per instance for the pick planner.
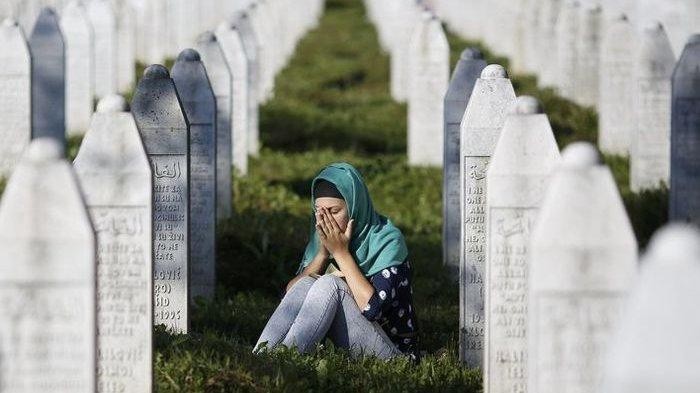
(518, 176)
(80, 80)
(430, 75)
(656, 343)
(229, 38)
(104, 23)
(650, 150)
(48, 77)
(15, 95)
(220, 78)
(566, 33)
(198, 101)
(685, 136)
(115, 176)
(126, 46)
(243, 23)
(164, 129)
(547, 55)
(588, 56)
(466, 72)
(583, 260)
(491, 100)
(47, 277)
(616, 121)
(406, 22)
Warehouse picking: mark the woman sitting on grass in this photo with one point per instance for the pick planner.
(366, 305)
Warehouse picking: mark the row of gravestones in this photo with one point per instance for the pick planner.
(92, 256)
(596, 56)
(548, 254)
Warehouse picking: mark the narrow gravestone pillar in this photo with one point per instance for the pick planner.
(220, 79)
(115, 176)
(15, 95)
(651, 146)
(242, 21)
(80, 70)
(656, 339)
(48, 77)
(409, 18)
(616, 87)
(583, 258)
(518, 176)
(566, 33)
(547, 55)
(429, 77)
(229, 38)
(47, 277)
(464, 77)
(257, 25)
(104, 23)
(165, 132)
(588, 56)
(685, 135)
(126, 46)
(198, 101)
(491, 100)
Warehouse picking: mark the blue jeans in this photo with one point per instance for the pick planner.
(315, 308)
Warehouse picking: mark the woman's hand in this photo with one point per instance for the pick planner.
(332, 237)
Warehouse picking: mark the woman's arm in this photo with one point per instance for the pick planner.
(317, 266)
(362, 290)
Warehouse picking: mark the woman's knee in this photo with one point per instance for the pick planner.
(303, 283)
(327, 284)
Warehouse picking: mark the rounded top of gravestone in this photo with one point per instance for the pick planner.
(189, 54)
(620, 17)
(694, 39)
(594, 8)
(45, 149)
(207, 36)
(9, 22)
(156, 71)
(675, 245)
(654, 26)
(471, 54)
(112, 104)
(47, 11)
(580, 155)
(494, 71)
(232, 21)
(527, 105)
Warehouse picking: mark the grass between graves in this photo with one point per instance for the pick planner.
(332, 104)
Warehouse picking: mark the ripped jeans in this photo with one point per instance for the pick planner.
(317, 308)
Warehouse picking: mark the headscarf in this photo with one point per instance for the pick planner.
(375, 243)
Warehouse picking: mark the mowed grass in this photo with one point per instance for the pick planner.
(332, 104)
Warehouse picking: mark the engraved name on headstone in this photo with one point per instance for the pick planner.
(583, 260)
(464, 77)
(685, 135)
(47, 277)
(518, 176)
(48, 77)
(115, 176)
(199, 103)
(80, 70)
(220, 79)
(15, 95)
(492, 98)
(164, 129)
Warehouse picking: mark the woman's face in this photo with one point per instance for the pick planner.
(336, 207)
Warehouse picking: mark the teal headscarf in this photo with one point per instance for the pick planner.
(376, 243)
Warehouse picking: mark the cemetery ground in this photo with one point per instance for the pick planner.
(332, 104)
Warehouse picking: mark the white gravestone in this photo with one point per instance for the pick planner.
(15, 95)
(616, 121)
(566, 33)
(491, 100)
(220, 79)
(165, 132)
(229, 38)
(126, 47)
(47, 277)
(80, 70)
(115, 176)
(258, 29)
(588, 55)
(547, 55)
(685, 135)
(464, 77)
(651, 146)
(407, 21)
(199, 103)
(583, 259)
(429, 76)
(243, 23)
(518, 176)
(48, 77)
(104, 23)
(656, 345)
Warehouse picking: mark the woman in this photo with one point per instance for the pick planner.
(366, 305)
